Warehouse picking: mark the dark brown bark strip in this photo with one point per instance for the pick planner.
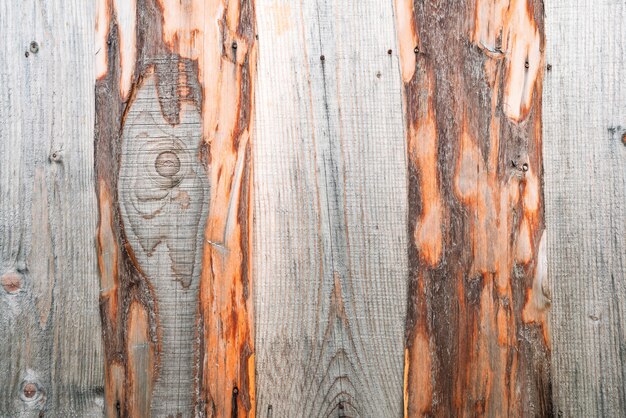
(477, 342)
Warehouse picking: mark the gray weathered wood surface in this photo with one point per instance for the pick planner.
(50, 339)
(330, 230)
(330, 238)
(585, 192)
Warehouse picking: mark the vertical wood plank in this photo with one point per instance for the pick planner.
(585, 160)
(174, 120)
(330, 203)
(477, 337)
(50, 341)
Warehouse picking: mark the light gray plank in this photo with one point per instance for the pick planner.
(330, 234)
(49, 322)
(585, 191)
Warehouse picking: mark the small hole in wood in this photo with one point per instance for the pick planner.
(389, 51)
(526, 64)
(234, 45)
(322, 58)
(549, 67)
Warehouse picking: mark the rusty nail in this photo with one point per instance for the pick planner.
(525, 167)
(416, 50)
(30, 389)
(235, 391)
(322, 58)
(234, 45)
(389, 51)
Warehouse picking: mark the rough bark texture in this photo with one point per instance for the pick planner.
(173, 131)
(477, 339)
(585, 160)
(50, 352)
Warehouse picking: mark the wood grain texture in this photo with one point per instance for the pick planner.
(477, 337)
(51, 361)
(585, 160)
(330, 202)
(173, 165)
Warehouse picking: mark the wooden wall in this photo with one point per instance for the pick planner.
(320, 208)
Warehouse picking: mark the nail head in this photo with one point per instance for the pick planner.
(34, 47)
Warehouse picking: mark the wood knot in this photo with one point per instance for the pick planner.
(30, 390)
(167, 164)
(11, 282)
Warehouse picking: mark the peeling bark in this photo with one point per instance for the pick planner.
(477, 340)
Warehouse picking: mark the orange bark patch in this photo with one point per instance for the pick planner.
(511, 21)
(140, 362)
(114, 381)
(407, 37)
(103, 17)
(418, 375)
(107, 252)
(422, 148)
(537, 301)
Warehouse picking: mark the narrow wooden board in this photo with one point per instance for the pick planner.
(330, 201)
(477, 337)
(585, 160)
(51, 361)
(173, 166)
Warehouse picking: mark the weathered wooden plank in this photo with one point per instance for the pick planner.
(330, 203)
(50, 341)
(477, 341)
(173, 165)
(585, 160)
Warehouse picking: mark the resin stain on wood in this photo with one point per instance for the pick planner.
(173, 133)
(477, 339)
